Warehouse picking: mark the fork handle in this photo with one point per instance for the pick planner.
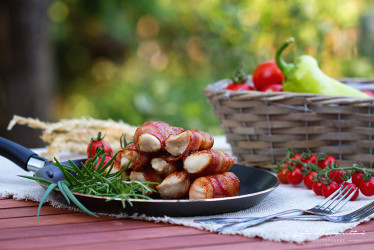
(252, 222)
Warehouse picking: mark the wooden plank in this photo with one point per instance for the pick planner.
(10, 203)
(31, 211)
(75, 228)
(211, 241)
(9, 223)
(64, 240)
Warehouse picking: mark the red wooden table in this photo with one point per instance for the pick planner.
(59, 228)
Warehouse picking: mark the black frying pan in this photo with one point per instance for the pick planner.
(256, 184)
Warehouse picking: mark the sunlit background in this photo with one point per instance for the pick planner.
(150, 60)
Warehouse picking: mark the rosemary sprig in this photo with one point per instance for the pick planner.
(95, 179)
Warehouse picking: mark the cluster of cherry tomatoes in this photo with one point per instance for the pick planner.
(266, 77)
(96, 145)
(322, 174)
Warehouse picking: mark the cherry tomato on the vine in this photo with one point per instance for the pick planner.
(265, 74)
(295, 176)
(329, 160)
(96, 144)
(350, 188)
(367, 187)
(309, 179)
(294, 159)
(317, 187)
(336, 176)
(329, 189)
(356, 178)
(312, 159)
(282, 175)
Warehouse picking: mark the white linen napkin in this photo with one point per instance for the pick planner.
(282, 198)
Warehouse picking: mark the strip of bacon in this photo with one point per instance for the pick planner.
(189, 140)
(207, 162)
(151, 136)
(215, 186)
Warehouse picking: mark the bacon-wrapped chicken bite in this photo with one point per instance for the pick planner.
(151, 136)
(207, 162)
(174, 186)
(189, 140)
(215, 186)
(138, 160)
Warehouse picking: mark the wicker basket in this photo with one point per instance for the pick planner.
(262, 126)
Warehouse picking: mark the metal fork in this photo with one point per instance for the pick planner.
(356, 215)
(330, 205)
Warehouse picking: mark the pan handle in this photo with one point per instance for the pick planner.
(16, 153)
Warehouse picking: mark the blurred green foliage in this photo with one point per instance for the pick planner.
(150, 60)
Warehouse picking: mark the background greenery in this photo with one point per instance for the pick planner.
(150, 60)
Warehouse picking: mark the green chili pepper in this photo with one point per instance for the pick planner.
(304, 76)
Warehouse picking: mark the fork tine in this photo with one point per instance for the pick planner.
(345, 199)
(330, 199)
(338, 196)
(364, 214)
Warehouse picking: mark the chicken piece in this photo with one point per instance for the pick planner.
(146, 175)
(207, 162)
(138, 160)
(189, 140)
(174, 186)
(151, 136)
(215, 186)
(165, 165)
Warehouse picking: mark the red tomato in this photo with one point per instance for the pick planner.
(265, 74)
(329, 160)
(282, 175)
(295, 177)
(351, 187)
(97, 144)
(367, 187)
(273, 88)
(313, 158)
(309, 179)
(356, 178)
(328, 189)
(317, 187)
(336, 176)
(296, 157)
(239, 86)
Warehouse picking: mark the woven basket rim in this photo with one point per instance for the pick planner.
(218, 88)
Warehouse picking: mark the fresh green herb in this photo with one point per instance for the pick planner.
(95, 178)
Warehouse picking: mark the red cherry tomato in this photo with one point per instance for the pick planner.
(295, 177)
(367, 187)
(336, 176)
(282, 175)
(328, 189)
(313, 158)
(317, 187)
(293, 159)
(97, 144)
(351, 187)
(273, 88)
(309, 179)
(356, 178)
(265, 74)
(329, 160)
(239, 86)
